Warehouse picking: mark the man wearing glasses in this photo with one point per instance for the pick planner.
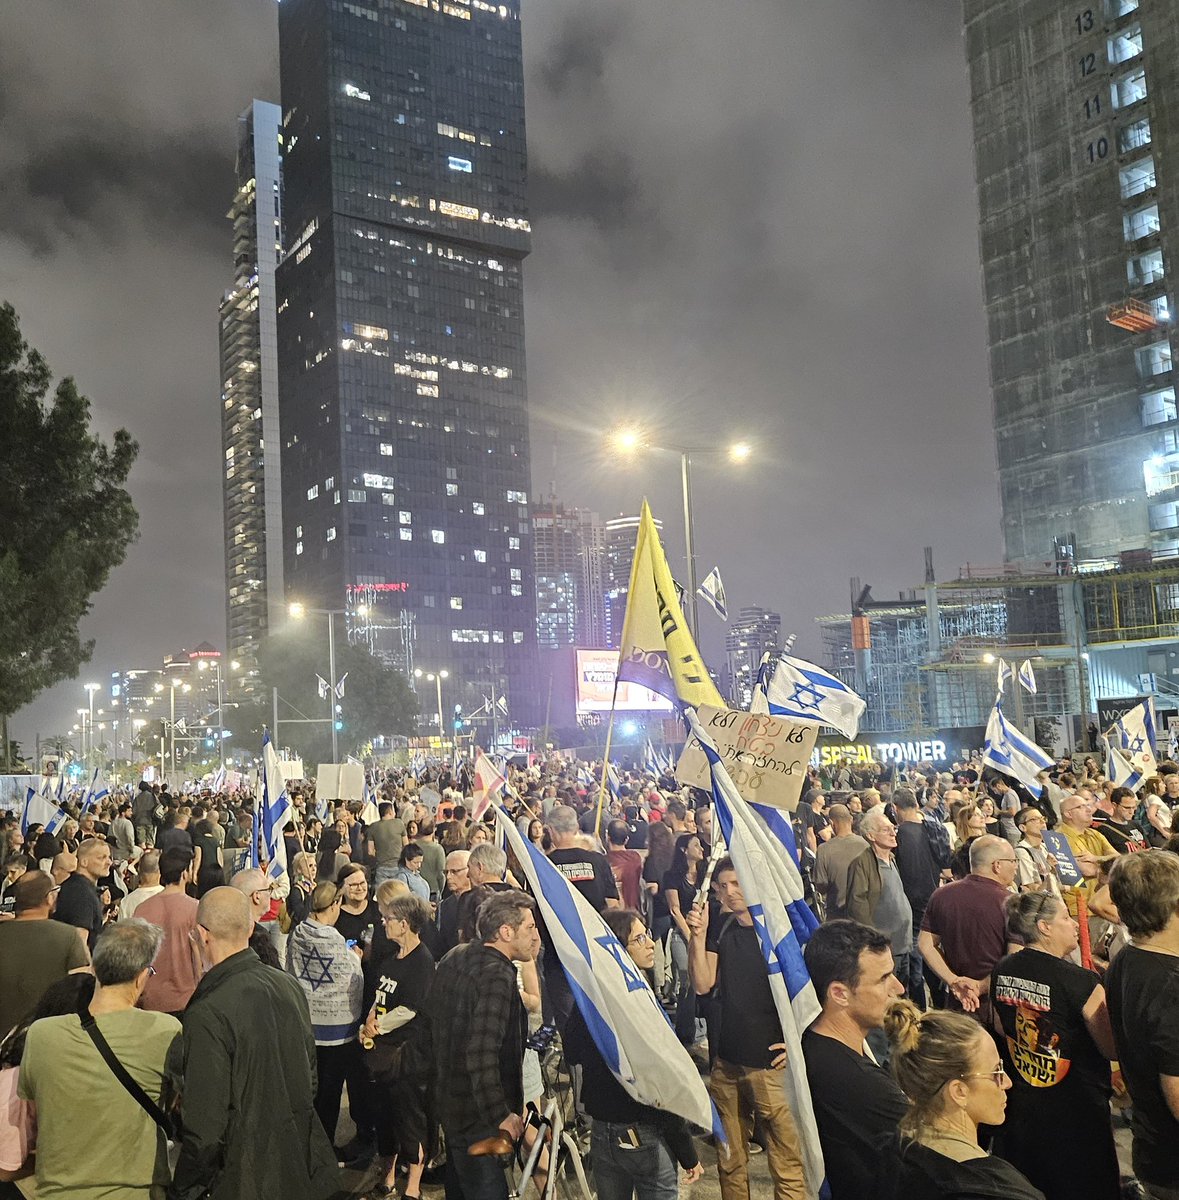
(964, 930)
(1117, 826)
(458, 884)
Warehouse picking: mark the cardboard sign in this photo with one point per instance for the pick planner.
(766, 756)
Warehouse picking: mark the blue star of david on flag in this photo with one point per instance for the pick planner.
(316, 968)
(612, 947)
(1137, 745)
(806, 696)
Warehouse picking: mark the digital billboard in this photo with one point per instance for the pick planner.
(596, 670)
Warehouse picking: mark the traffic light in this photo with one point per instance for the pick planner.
(339, 725)
(458, 717)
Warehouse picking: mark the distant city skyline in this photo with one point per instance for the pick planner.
(681, 272)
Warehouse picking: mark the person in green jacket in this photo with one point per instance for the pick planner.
(248, 1123)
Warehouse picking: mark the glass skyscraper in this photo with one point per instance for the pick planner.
(249, 392)
(405, 453)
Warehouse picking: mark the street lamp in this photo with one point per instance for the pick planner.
(173, 684)
(629, 440)
(435, 677)
(90, 689)
(203, 665)
(297, 612)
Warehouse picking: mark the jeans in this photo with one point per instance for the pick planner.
(916, 984)
(383, 873)
(621, 1173)
(470, 1178)
(739, 1092)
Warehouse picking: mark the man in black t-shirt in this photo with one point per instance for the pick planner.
(856, 1101)
(589, 872)
(1142, 992)
(747, 1075)
(1118, 826)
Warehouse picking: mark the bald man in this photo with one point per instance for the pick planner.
(255, 886)
(248, 1049)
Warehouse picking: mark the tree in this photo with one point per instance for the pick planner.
(65, 521)
(378, 700)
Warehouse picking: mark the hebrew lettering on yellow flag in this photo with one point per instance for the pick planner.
(657, 649)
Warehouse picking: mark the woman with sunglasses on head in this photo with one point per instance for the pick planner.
(1056, 1044)
(951, 1072)
(634, 1148)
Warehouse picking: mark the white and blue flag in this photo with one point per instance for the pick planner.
(585, 777)
(612, 781)
(651, 761)
(41, 810)
(96, 791)
(323, 810)
(1121, 772)
(218, 782)
(629, 1028)
(712, 590)
(799, 690)
(772, 887)
(275, 810)
(1009, 751)
(1135, 736)
(1027, 677)
(1005, 674)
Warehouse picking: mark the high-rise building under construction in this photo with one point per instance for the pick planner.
(1076, 124)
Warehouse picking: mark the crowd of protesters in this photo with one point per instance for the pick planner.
(175, 1021)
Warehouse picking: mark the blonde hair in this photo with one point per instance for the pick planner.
(390, 889)
(928, 1050)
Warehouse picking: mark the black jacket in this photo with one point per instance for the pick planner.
(249, 1127)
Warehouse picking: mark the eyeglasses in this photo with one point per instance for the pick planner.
(641, 938)
(996, 1076)
(455, 870)
(1005, 860)
(150, 969)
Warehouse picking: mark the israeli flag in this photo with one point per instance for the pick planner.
(96, 791)
(803, 692)
(1004, 674)
(612, 781)
(369, 812)
(1008, 751)
(651, 760)
(1027, 676)
(585, 777)
(628, 1026)
(772, 887)
(712, 590)
(219, 778)
(1135, 732)
(322, 686)
(1121, 773)
(323, 810)
(41, 810)
(275, 811)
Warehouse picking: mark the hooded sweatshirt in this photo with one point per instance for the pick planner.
(330, 974)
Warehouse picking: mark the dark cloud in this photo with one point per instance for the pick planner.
(750, 219)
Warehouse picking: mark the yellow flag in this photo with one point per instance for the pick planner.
(658, 652)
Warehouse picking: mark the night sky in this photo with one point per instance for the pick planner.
(751, 218)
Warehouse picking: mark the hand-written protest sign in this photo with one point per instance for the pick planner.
(1067, 870)
(766, 756)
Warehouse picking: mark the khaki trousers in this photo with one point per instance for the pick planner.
(739, 1093)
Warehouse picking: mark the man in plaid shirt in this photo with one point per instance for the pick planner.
(478, 1025)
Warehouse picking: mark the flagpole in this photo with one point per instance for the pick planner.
(606, 757)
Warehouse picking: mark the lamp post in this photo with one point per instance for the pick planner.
(297, 612)
(203, 665)
(173, 684)
(90, 689)
(435, 677)
(630, 440)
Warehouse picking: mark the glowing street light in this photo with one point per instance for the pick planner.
(435, 677)
(631, 439)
